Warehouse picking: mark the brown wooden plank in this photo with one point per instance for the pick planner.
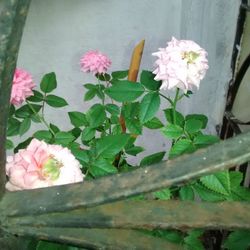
(147, 215)
(217, 157)
(12, 18)
(97, 238)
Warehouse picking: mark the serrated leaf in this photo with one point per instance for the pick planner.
(240, 193)
(77, 119)
(192, 125)
(192, 242)
(112, 109)
(147, 79)
(88, 134)
(25, 111)
(120, 74)
(149, 106)
(135, 150)
(36, 97)
(186, 193)
(24, 126)
(48, 83)
(164, 194)
(80, 154)
(170, 117)
(90, 94)
(64, 138)
(96, 115)
(124, 91)
(199, 117)
(238, 240)
(152, 159)
(172, 131)
(180, 147)
(205, 140)
(109, 146)
(102, 167)
(218, 182)
(134, 126)
(236, 178)
(43, 135)
(55, 101)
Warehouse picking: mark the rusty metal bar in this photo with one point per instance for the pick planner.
(217, 157)
(146, 214)
(12, 18)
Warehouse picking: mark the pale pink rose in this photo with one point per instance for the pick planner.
(42, 165)
(21, 87)
(95, 62)
(182, 64)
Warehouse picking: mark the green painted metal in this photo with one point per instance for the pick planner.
(217, 157)
(98, 238)
(146, 215)
(12, 18)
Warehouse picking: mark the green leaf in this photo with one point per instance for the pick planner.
(112, 109)
(193, 242)
(218, 182)
(43, 135)
(37, 97)
(54, 128)
(77, 119)
(88, 134)
(147, 79)
(134, 126)
(131, 110)
(64, 138)
(149, 106)
(164, 194)
(24, 126)
(236, 178)
(81, 155)
(103, 77)
(199, 117)
(48, 82)
(152, 159)
(25, 111)
(13, 127)
(134, 150)
(110, 145)
(192, 126)
(12, 110)
(102, 167)
(172, 131)
(238, 240)
(207, 194)
(23, 144)
(170, 118)
(240, 193)
(90, 94)
(55, 101)
(9, 144)
(186, 193)
(180, 147)
(154, 123)
(96, 115)
(42, 245)
(125, 91)
(120, 74)
(205, 140)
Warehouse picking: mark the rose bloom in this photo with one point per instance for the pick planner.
(21, 87)
(95, 62)
(182, 64)
(42, 165)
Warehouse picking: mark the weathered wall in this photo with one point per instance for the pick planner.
(58, 32)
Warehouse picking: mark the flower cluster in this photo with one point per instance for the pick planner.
(95, 62)
(42, 165)
(22, 87)
(182, 64)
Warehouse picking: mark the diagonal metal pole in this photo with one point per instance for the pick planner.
(12, 18)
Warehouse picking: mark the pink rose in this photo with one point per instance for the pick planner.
(182, 64)
(21, 87)
(42, 165)
(95, 62)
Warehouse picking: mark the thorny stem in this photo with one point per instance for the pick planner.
(174, 105)
(41, 118)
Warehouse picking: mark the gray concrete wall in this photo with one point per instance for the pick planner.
(58, 32)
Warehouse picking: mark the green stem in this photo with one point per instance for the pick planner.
(99, 86)
(168, 99)
(174, 105)
(41, 118)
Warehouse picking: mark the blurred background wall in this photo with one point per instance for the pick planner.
(58, 32)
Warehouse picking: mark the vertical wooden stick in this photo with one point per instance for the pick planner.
(133, 71)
